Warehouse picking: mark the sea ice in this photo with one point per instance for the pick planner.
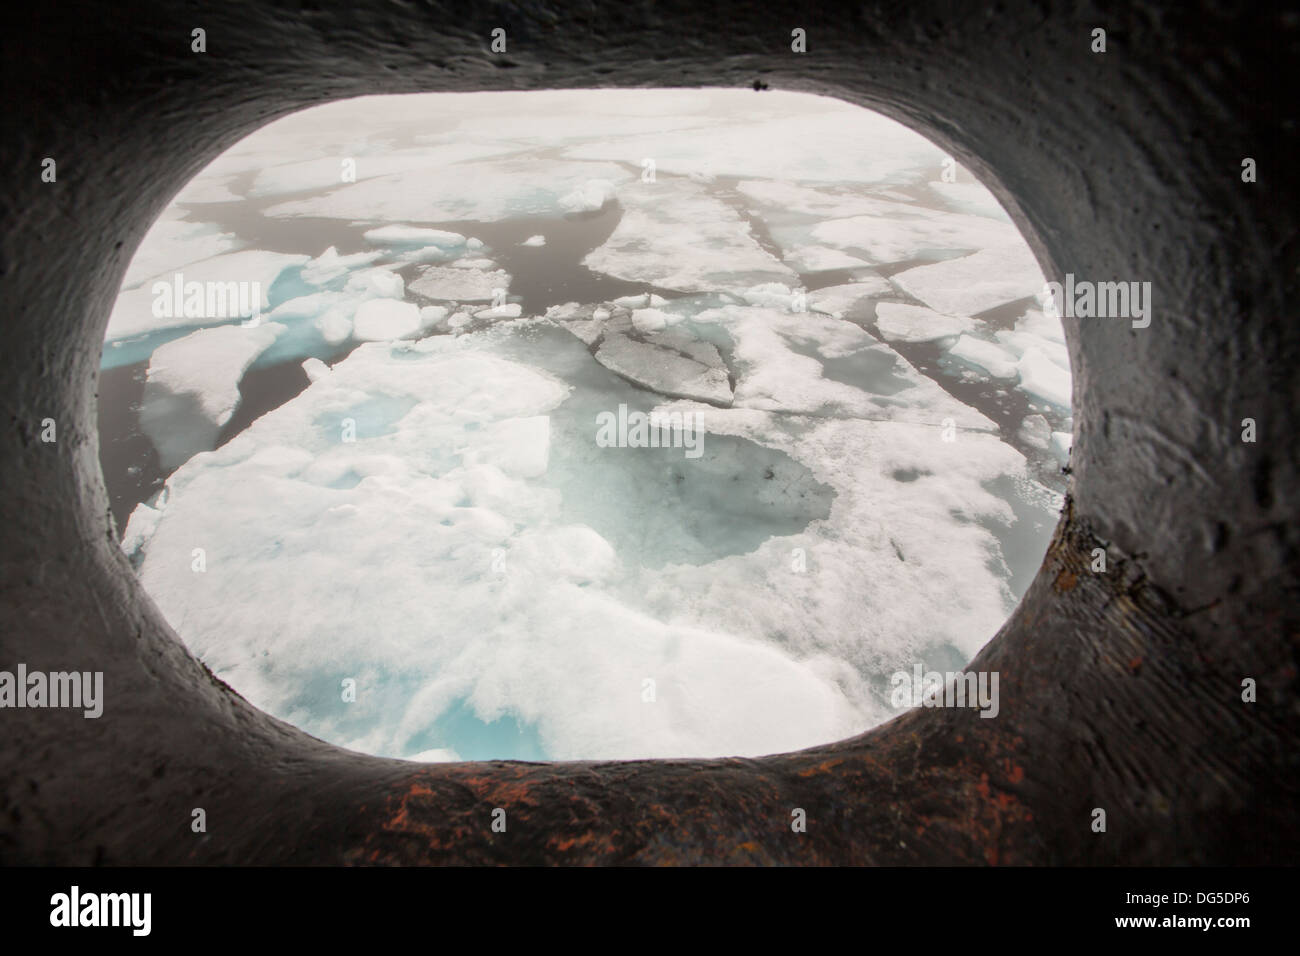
(1042, 377)
(192, 387)
(665, 370)
(483, 191)
(133, 314)
(589, 197)
(913, 232)
(378, 320)
(674, 235)
(460, 285)
(810, 364)
(433, 513)
(402, 235)
(329, 265)
(996, 361)
(817, 140)
(173, 242)
(975, 283)
(899, 322)
(973, 198)
(839, 300)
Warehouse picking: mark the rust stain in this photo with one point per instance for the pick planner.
(826, 766)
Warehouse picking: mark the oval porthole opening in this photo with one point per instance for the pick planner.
(582, 425)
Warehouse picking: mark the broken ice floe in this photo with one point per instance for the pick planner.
(675, 236)
(460, 285)
(192, 387)
(977, 282)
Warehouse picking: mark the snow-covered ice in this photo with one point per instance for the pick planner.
(996, 361)
(133, 314)
(899, 322)
(460, 285)
(487, 190)
(675, 236)
(1042, 377)
(446, 529)
(474, 481)
(977, 282)
(192, 387)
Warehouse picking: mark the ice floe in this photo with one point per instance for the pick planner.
(133, 313)
(487, 190)
(674, 235)
(977, 282)
(192, 387)
(460, 285)
(899, 322)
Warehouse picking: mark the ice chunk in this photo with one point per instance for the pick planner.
(335, 326)
(511, 310)
(192, 387)
(381, 282)
(652, 320)
(674, 235)
(590, 196)
(839, 300)
(1035, 432)
(666, 371)
(1042, 377)
(820, 259)
(140, 527)
(315, 369)
(460, 285)
(644, 301)
(378, 320)
(1061, 442)
(994, 360)
(402, 235)
(329, 265)
(769, 295)
(975, 283)
(534, 241)
(913, 232)
(899, 322)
